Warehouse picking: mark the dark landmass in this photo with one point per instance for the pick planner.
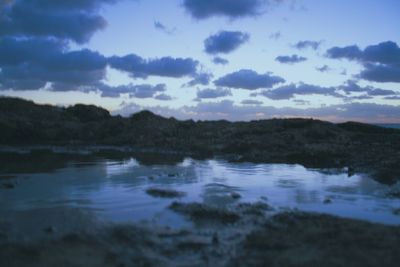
(312, 143)
(245, 237)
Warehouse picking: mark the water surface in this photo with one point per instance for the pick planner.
(114, 190)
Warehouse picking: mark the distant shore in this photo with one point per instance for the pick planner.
(356, 146)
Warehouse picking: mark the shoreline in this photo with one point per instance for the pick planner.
(247, 237)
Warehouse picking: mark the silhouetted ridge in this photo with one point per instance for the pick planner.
(365, 128)
(87, 113)
(145, 115)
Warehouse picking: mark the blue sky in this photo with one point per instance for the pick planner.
(335, 59)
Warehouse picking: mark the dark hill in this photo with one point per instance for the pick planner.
(310, 142)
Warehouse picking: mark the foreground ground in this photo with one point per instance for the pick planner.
(244, 235)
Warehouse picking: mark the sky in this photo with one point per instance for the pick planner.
(334, 60)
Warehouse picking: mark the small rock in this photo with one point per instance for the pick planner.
(215, 239)
(164, 192)
(172, 174)
(235, 195)
(50, 229)
(394, 194)
(396, 211)
(3, 236)
(327, 201)
(8, 186)
(350, 171)
(151, 177)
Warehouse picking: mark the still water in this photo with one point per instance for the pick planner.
(114, 190)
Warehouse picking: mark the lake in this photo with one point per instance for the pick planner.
(77, 191)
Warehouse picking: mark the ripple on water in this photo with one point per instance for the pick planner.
(115, 190)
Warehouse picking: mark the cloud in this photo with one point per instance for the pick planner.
(226, 109)
(134, 91)
(352, 87)
(159, 26)
(251, 102)
(163, 97)
(324, 68)
(72, 20)
(146, 90)
(290, 59)
(248, 79)
(113, 91)
(352, 52)
(381, 73)
(289, 91)
(380, 92)
(32, 63)
(37, 62)
(213, 93)
(396, 97)
(138, 67)
(200, 79)
(202, 9)
(275, 36)
(220, 61)
(301, 102)
(225, 42)
(308, 44)
(381, 62)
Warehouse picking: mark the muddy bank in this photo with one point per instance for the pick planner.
(255, 237)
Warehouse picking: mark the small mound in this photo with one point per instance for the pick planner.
(164, 193)
(202, 212)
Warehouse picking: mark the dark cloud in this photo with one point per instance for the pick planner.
(380, 92)
(35, 63)
(32, 63)
(251, 102)
(396, 97)
(138, 67)
(113, 91)
(289, 91)
(349, 52)
(213, 93)
(74, 19)
(134, 91)
(290, 59)
(383, 53)
(324, 68)
(357, 97)
(308, 44)
(146, 90)
(352, 87)
(381, 62)
(301, 102)
(275, 35)
(248, 79)
(202, 9)
(161, 27)
(200, 79)
(381, 73)
(163, 97)
(220, 61)
(225, 42)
